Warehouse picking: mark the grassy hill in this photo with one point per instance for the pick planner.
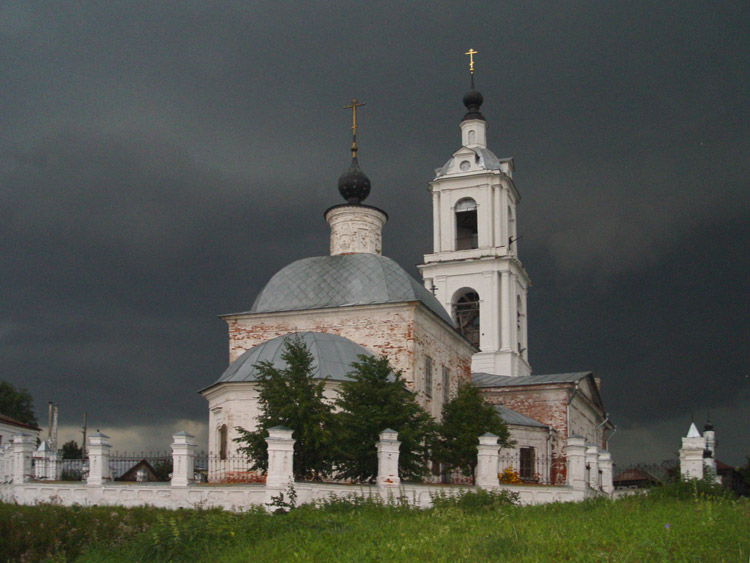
(683, 522)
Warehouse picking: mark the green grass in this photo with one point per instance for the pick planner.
(680, 523)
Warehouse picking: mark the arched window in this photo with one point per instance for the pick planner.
(223, 442)
(466, 224)
(472, 137)
(511, 230)
(466, 315)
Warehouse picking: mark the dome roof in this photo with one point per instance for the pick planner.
(354, 185)
(332, 357)
(343, 280)
(484, 159)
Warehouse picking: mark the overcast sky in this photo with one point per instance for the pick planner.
(159, 161)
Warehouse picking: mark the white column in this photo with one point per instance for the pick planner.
(99, 471)
(436, 220)
(183, 459)
(388, 452)
(487, 461)
(592, 461)
(23, 449)
(498, 217)
(575, 454)
(505, 311)
(280, 457)
(605, 465)
(485, 231)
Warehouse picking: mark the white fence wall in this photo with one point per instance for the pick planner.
(183, 492)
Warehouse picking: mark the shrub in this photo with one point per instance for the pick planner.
(691, 489)
(472, 501)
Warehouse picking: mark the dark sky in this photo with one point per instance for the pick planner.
(159, 161)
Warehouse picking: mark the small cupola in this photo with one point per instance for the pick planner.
(473, 125)
(355, 228)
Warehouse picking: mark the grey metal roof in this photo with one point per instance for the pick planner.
(491, 380)
(343, 280)
(486, 159)
(510, 416)
(332, 357)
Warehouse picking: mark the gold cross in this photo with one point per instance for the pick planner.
(353, 106)
(471, 53)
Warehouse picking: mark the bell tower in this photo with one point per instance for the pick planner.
(474, 270)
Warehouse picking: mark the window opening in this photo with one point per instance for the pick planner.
(527, 463)
(466, 314)
(466, 225)
(223, 442)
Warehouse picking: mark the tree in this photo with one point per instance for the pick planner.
(71, 450)
(465, 418)
(17, 404)
(374, 400)
(291, 397)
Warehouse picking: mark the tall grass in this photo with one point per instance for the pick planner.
(675, 523)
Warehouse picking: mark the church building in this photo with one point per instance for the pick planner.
(466, 322)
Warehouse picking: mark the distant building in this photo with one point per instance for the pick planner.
(10, 426)
(635, 478)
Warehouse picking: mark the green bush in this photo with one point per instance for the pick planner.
(691, 489)
(476, 500)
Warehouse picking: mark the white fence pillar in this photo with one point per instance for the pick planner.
(99, 471)
(23, 449)
(6, 462)
(605, 465)
(280, 457)
(487, 461)
(388, 452)
(575, 454)
(54, 467)
(183, 459)
(592, 464)
(41, 462)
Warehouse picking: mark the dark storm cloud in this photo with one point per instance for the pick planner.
(159, 161)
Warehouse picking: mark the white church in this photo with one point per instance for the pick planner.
(465, 322)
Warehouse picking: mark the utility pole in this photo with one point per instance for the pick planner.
(83, 445)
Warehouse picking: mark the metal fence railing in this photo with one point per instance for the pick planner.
(215, 468)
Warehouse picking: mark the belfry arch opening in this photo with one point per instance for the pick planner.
(466, 224)
(466, 314)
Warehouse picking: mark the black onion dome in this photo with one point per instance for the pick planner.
(354, 186)
(708, 426)
(473, 100)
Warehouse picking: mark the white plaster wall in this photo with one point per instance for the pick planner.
(236, 404)
(241, 497)
(403, 332)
